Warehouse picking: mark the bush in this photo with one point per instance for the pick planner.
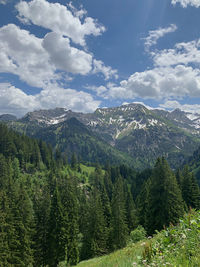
(138, 234)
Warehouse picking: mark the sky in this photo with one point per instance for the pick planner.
(82, 55)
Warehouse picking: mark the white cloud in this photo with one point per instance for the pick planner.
(182, 53)
(159, 83)
(176, 75)
(99, 90)
(60, 19)
(13, 100)
(195, 108)
(107, 71)
(36, 60)
(21, 53)
(65, 57)
(157, 34)
(185, 3)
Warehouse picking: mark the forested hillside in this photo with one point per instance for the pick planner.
(130, 134)
(52, 211)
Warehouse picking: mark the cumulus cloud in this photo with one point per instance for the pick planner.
(60, 19)
(182, 53)
(65, 57)
(195, 108)
(21, 53)
(175, 75)
(154, 35)
(107, 71)
(36, 60)
(99, 90)
(13, 100)
(159, 83)
(185, 3)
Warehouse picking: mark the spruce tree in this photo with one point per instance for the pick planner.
(70, 206)
(58, 231)
(42, 212)
(95, 234)
(190, 189)
(165, 203)
(131, 212)
(4, 228)
(119, 225)
(142, 203)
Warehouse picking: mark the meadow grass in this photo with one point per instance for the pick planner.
(177, 246)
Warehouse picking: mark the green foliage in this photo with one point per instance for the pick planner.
(190, 189)
(165, 203)
(176, 246)
(138, 234)
(119, 233)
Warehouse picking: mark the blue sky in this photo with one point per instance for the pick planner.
(82, 55)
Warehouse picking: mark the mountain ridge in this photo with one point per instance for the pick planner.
(133, 129)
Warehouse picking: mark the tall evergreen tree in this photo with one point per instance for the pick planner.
(41, 202)
(95, 235)
(58, 231)
(4, 228)
(119, 231)
(142, 202)
(70, 207)
(190, 189)
(165, 203)
(131, 212)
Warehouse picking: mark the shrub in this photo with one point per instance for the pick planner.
(138, 234)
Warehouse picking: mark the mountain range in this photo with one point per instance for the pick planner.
(131, 134)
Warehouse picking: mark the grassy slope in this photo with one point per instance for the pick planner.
(176, 246)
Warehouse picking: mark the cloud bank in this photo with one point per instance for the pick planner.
(14, 101)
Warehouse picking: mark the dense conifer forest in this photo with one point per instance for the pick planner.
(54, 209)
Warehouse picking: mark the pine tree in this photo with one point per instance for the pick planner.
(58, 231)
(95, 234)
(70, 207)
(74, 161)
(190, 189)
(25, 219)
(165, 203)
(142, 202)
(4, 227)
(131, 212)
(119, 231)
(42, 212)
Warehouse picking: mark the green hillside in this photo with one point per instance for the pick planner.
(176, 246)
(73, 136)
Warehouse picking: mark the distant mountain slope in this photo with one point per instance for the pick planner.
(7, 117)
(142, 133)
(72, 136)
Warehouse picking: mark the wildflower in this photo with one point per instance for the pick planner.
(183, 236)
